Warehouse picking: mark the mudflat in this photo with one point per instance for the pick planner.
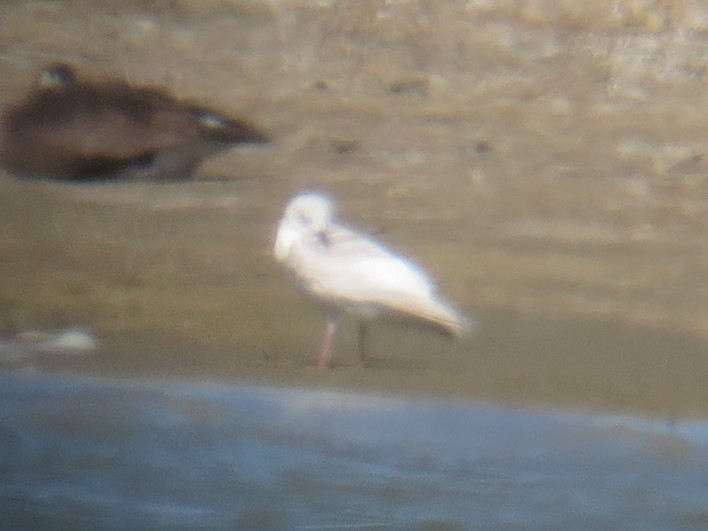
(545, 163)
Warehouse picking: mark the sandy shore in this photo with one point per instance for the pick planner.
(546, 164)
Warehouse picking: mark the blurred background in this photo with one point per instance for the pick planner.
(544, 160)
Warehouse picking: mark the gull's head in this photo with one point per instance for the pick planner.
(306, 215)
(309, 212)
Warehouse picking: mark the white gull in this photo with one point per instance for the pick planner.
(343, 271)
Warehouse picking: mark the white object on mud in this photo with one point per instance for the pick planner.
(343, 271)
(22, 349)
(68, 341)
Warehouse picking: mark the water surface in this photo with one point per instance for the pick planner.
(92, 453)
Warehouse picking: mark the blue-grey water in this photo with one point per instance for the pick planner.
(90, 453)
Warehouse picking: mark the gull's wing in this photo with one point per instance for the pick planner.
(365, 270)
(347, 269)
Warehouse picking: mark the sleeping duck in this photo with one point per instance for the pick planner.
(68, 129)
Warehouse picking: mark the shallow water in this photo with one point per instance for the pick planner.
(91, 453)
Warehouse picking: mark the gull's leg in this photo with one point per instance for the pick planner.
(363, 335)
(330, 332)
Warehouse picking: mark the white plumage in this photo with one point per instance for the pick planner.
(343, 271)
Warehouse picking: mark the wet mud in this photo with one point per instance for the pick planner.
(544, 161)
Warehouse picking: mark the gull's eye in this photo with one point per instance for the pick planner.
(304, 218)
(323, 238)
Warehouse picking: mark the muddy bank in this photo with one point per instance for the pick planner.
(547, 165)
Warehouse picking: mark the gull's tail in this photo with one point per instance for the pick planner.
(438, 315)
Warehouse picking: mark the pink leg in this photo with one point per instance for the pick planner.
(330, 332)
(363, 335)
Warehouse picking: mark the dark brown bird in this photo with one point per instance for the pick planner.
(69, 129)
